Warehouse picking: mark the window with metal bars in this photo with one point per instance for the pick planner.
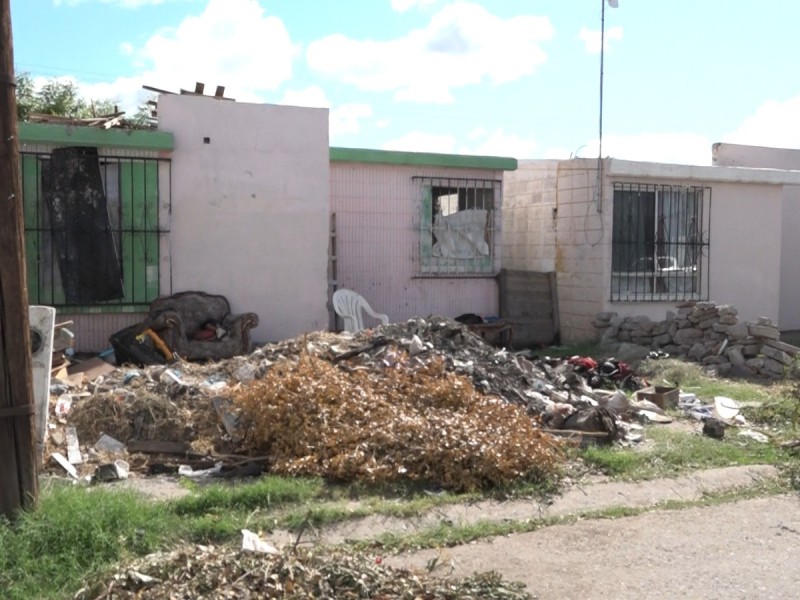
(457, 233)
(132, 205)
(660, 243)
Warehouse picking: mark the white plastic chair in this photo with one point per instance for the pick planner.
(349, 304)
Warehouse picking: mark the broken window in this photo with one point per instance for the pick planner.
(457, 226)
(71, 253)
(660, 243)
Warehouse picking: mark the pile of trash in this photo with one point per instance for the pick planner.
(425, 399)
(219, 572)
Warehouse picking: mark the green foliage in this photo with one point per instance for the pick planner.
(61, 97)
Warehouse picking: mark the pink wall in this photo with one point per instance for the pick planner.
(376, 208)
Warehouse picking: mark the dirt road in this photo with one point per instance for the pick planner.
(748, 549)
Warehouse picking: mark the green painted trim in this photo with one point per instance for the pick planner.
(69, 135)
(422, 159)
(104, 309)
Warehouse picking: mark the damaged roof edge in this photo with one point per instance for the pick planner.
(70, 135)
(422, 159)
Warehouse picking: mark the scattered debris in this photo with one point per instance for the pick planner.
(422, 400)
(65, 464)
(252, 542)
(115, 471)
(714, 428)
(106, 443)
(217, 572)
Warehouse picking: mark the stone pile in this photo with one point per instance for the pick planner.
(707, 333)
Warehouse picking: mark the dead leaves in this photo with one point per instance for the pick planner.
(414, 420)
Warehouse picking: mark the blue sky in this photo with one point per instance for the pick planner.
(497, 77)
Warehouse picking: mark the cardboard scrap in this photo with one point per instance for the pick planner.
(92, 368)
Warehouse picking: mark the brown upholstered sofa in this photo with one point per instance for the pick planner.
(200, 326)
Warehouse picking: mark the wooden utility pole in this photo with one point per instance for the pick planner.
(18, 478)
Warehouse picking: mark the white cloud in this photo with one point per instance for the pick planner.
(774, 124)
(404, 5)
(347, 118)
(419, 141)
(126, 92)
(126, 48)
(311, 97)
(675, 148)
(499, 143)
(463, 45)
(233, 43)
(591, 38)
(122, 3)
(343, 119)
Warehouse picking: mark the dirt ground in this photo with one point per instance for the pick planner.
(748, 549)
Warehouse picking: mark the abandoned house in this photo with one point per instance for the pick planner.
(249, 201)
(638, 238)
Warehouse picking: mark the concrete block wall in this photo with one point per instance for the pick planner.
(551, 223)
(529, 241)
(583, 237)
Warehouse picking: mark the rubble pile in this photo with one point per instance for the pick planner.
(422, 400)
(414, 421)
(707, 333)
(219, 572)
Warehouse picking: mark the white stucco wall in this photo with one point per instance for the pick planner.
(745, 248)
(754, 216)
(789, 310)
(738, 155)
(250, 208)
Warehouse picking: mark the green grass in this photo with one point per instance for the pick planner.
(668, 452)
(78, 532)
(75, 533)
(267, 492)
(445, 536)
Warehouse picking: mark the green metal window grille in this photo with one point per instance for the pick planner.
(138, 200)
(456, 225)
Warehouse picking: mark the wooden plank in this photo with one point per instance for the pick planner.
(526, 299)
(554, 302)
(18, 478)
(157, 447)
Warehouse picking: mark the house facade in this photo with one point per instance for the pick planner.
(249, 201)
(417, 233)
(107, 284)
(638, 238)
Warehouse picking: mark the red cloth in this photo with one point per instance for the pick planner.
(584, 362)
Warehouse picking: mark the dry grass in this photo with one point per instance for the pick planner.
(414, 421)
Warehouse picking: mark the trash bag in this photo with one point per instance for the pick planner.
(127, 349)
